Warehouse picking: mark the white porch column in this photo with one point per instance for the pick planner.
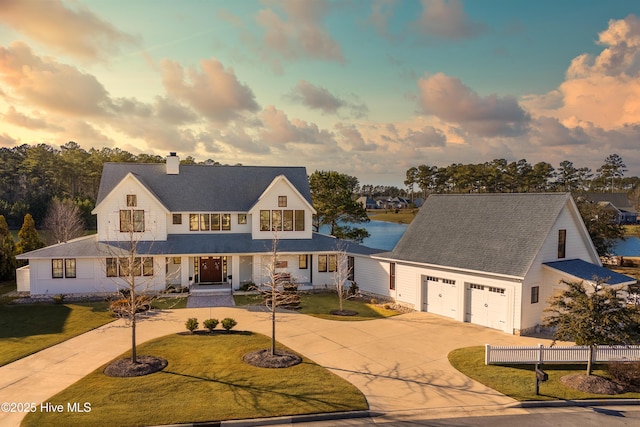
(184, 271)
(235, 271)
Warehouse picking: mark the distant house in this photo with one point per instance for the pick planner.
(489, 259)
(367, 202)
(192, 225)
(618, 203)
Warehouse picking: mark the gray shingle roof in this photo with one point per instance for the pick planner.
(590, 272)
(497, 233)
(193, 244)
(204, 188)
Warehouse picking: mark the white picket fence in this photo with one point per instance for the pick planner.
(573, 354)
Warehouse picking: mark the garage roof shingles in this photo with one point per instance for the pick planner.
(496, 233)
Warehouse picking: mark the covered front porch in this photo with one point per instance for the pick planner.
(209, 272)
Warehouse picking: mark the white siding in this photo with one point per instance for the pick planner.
(184, 227)
(372, 276)
(108, 213)
(269, 201)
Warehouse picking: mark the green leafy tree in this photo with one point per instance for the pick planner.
(601, 225)
(593, 316)
(7, 251)
(29, 238)
(333, 198)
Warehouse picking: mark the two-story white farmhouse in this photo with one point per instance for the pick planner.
(192, 224)
(488, 259)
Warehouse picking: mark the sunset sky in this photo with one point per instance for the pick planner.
(368, 88)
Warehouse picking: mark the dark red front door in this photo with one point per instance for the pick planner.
(210, 269)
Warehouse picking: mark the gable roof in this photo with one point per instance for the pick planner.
(497, 233)
(203, 188)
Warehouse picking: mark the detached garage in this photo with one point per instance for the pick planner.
(489, 259)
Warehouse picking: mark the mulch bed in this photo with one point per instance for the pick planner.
(593, 384)
(146, 365)
(264, 359)
(344, 312)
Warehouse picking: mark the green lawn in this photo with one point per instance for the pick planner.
(6, 287)
(205, 380)
(404, 216)
(26, 329)
(321, 305)
(518, 381)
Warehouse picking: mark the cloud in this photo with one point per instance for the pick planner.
(381, 11)
(351, 136)
(450, 100)
(214, 92)
(278, 129)
(602, 89)
(446, 20)
(319, 98)
(49, 84)
(296, 32)
(173, 112)
(17, 118)
(77, 32)
(7, 141)
(428, 136)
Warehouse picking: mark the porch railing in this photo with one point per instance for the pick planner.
(572, 354)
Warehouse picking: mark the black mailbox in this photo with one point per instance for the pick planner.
(541, 375)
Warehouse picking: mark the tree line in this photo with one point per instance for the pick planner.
(500, 176)
(31, 176)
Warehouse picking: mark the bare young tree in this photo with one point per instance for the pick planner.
(279, 291)
(127, 266)
(63, 221)
(341, 276)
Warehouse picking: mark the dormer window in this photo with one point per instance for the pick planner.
(282, 201)
(132, 201)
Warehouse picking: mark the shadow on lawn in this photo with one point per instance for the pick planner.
(251, 396)
(20, 321)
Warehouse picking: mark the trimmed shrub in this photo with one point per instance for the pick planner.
(191, 324)
(59, 299)
(625, 372)
(210, 324)
(228, 323)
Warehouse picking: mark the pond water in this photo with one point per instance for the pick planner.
(628, 247)
(384, 235)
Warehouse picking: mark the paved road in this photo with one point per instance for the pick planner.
(399, 363)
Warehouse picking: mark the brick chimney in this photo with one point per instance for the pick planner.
(173, 164)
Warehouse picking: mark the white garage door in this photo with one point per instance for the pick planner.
(439, 296)
(486, 306)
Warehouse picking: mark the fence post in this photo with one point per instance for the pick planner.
(487, 349)
(540, 358)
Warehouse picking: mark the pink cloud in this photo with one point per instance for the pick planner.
(17, 118)
(450, 100)
(77, 32)
(278, 129)
(49, 84)
(447, 20)
(214, 92)
(297, 31)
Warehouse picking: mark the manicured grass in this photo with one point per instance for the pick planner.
(321, 305)
(518, 381)
(26, 329)
(402, 217)
(6, 287)
(205, 380)
(170, 302)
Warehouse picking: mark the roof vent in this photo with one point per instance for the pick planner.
(173, 164)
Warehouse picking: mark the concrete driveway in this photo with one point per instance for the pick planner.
(399, 363)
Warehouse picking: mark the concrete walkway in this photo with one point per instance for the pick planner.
(399, 363)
